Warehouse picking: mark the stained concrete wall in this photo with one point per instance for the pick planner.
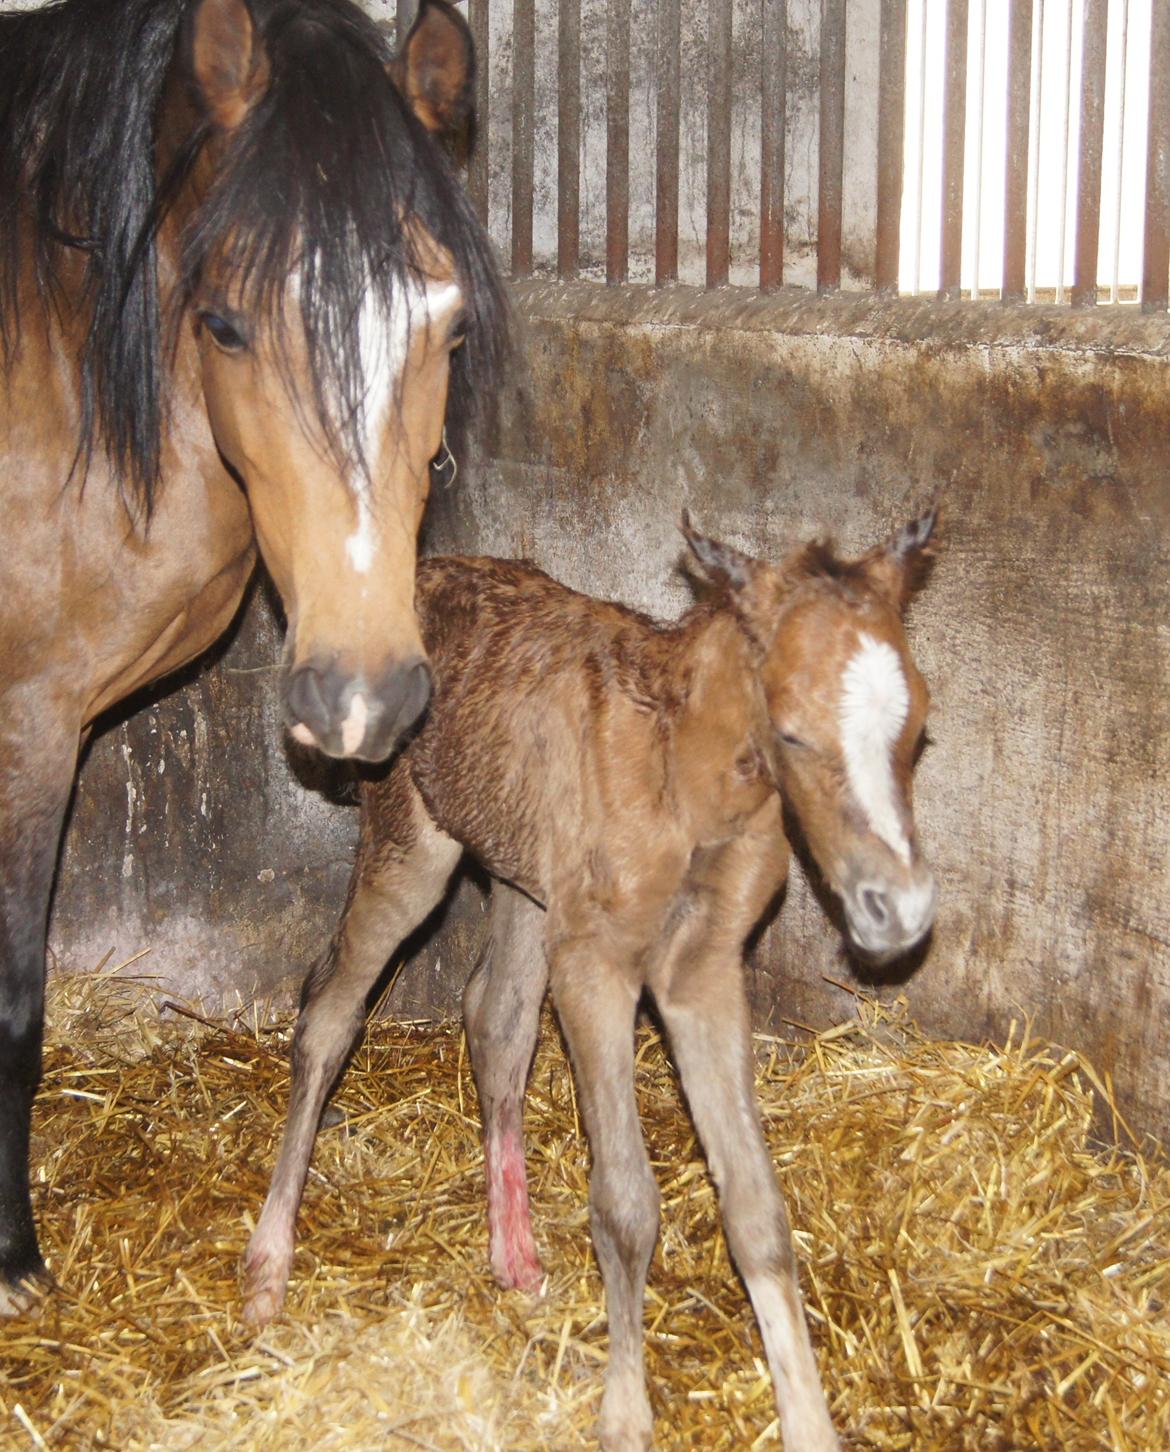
(1045, 634)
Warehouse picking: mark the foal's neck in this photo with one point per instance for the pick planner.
(715, 739)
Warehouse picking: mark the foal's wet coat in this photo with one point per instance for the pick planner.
(624, 781)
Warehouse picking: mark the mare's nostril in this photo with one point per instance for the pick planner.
(418, 694)
(876, 905)
(305, 700)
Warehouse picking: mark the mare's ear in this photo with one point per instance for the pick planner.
(899, 567)
(227, 59)
(435, 69)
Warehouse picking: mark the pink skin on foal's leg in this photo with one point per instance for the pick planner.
(501, 1009)
(515, 1263)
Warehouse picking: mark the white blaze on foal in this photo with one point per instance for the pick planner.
(875, 700)
(385, 344)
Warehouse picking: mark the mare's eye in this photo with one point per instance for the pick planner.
(458, 330)
(226, 335)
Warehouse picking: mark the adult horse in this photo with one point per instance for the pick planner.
(234, 268)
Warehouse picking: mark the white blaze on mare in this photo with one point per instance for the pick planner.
(874, 703)
(384, 342)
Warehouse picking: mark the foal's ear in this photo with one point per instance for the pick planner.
(721, 564)
(899, 567)
(435, 69)
(228, 62)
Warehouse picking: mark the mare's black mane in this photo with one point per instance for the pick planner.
(319, 180)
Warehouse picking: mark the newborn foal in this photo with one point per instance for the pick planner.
(627, 777)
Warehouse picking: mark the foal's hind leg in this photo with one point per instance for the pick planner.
(34, 792)
(501, 1008)
(707, 1017)
(402, 868)
(596, 1005)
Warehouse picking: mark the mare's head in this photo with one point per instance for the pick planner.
(266, 178)
(843, 710)
(332, 268)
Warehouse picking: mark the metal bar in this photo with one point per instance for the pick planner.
(1066, 97)
(773, 104)
(1156, 255)
(980, 106)
(404, 13)
(1084, 288)
(569, 138)
(718, 142)
(523, 153)
(832, 145)
(1015, 207)
(954, 141)
(920, 169)
(477, 168)
(1123, 73)
(1036, 113)
(666, 172)
(617, 143)
(891, 139)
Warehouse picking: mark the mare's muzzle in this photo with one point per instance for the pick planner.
(887, 917)
(344, 715)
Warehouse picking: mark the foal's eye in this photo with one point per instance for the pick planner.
(225, 335)
(788, 739)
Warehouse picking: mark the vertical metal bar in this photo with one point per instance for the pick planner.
(1084, 288)
(617, 142)
(1123, 73)
(404, 13)
(666, 172)
(980, 91)
(1156, 254)
(954, 142)
(718, 142)
(477, 169)
(891, 139)
(1062, 227)
(569, 138)
(1036, 114)
(773, 105)
(920, 170)
(523, 154)
(1015, 208)
(832, 145)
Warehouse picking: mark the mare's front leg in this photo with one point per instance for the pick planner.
(706, 1014)
(501, 1009)
(36, 775)
(596, 1004)
(402, 869)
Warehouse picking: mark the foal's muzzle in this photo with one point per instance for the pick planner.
(344, 715)
(887, 918)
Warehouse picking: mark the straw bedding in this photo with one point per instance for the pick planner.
(979, 1273)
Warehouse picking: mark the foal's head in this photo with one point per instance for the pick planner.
(843, 709)
(332, 267)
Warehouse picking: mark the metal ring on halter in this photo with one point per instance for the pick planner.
(444, 459)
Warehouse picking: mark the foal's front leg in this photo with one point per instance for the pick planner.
(706, 1015)
(596, 1005)
(501, 1009)
(402, 868)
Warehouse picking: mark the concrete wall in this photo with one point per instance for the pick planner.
(1045, 634)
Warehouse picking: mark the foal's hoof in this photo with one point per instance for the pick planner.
(625, 1424)
(518, 1271)
(264, 1289)
(24, 1292)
